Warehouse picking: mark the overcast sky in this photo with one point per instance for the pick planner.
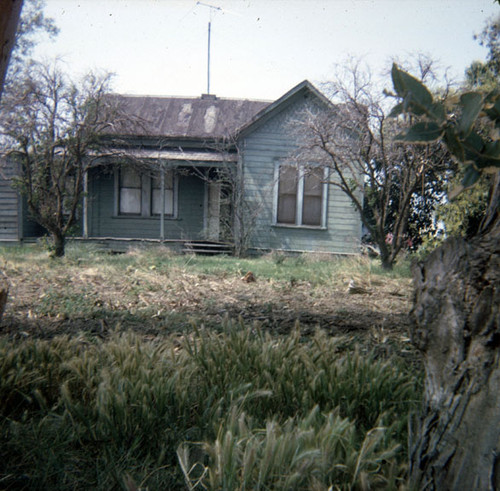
(260, 48)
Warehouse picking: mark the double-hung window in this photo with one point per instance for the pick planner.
(140, 194)
(301, 193)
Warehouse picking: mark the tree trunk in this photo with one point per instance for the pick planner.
(59, 245)
(4, 293)
(387, 262)
(9, 19)
(456, 441)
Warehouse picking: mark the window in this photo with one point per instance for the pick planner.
(301, 195)
(130, 192)
(287, 194)
(139, 194)
(169, 194)
(313, 196)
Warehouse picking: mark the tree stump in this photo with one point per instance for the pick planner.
(4, 292)
(456, 441)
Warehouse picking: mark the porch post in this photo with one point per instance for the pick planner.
(85, 205)
(162, 210)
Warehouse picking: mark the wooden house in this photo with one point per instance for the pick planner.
(211, 170)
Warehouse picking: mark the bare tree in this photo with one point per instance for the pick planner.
(241, 220)
(385, 181)
(238, 214)
(52, 128)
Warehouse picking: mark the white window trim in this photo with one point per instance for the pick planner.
(300, 197)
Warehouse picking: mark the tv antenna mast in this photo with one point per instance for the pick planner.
(212, 9)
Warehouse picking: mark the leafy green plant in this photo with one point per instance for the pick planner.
(479, 152)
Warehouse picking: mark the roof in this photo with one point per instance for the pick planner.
(302, 89)
(184, 155)
(203, 118)
(182, 117)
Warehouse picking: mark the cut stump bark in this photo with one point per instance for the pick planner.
(4, 293)
(456, 439)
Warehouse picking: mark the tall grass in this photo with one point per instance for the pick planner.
(234, 410)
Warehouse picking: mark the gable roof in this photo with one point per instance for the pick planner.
(303, 89)
(205, 117)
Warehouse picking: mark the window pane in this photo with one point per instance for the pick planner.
(129, 178)
(313, 196)
(311, 212)
(287, 194)
(287, 205)
(169, 180)
(312, 181)
(130, 201)
(169, 202)
(288, 180)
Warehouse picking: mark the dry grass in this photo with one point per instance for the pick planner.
(301, 390)
(156, 293)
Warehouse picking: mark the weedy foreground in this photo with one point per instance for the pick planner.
(172, 373)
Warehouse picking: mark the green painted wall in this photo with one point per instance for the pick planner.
(260, 150)
(103, 222)
(9, 204)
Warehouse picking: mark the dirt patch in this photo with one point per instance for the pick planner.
(64, 300)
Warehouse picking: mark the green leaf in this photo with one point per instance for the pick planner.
(438, 111)
(397, 110)
(489, 159)
(492, 149)
(397, 81)
(414, 108)
(472, 103)
(421, 133)
(454, 145)
(471, 176)
(409, 87)
(473, 146)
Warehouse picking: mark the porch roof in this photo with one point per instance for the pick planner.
(183, 155)
(180, 156)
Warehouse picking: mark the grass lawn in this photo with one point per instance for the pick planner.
(157, 371)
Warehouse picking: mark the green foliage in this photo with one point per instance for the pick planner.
(455, 125)
(421, 133)
(463, 215)
(484, 76)
(236, 410)
(33, 24)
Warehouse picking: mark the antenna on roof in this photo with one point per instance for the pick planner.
(212, 8)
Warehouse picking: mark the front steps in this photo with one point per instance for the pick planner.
(207, 247)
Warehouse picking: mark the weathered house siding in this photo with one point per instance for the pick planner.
(200, 138)
(31, 229)
(9, 204)
(261, 150)
(15, 221)
(103, 222)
